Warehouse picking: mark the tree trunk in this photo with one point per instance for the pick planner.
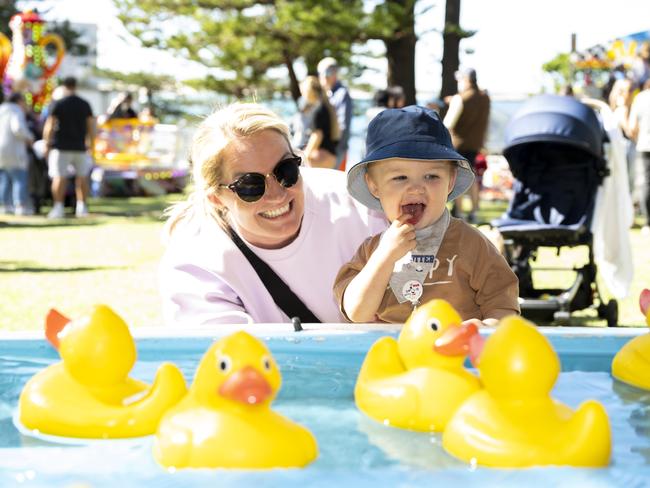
(400, 52)
(451, 44)
(294, 86)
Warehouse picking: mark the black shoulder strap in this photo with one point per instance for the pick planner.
(279, 290)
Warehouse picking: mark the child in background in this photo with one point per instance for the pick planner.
(410, 172)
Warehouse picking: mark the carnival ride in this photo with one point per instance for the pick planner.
(132, 156)
(138, 157)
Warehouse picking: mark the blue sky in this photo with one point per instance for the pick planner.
(514, 38)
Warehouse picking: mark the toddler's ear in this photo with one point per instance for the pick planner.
(372, 186)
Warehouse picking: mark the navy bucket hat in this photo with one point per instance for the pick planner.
(408, 133)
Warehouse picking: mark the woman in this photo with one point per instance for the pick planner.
(322, 125)
(300, 222)
(14, 158)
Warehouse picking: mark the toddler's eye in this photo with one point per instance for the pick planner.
(398, 178)
(432, 177)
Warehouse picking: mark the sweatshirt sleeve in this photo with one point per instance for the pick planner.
(351, 269)
(496, 285)
(194, 296)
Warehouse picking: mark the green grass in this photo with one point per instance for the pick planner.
(112, 257)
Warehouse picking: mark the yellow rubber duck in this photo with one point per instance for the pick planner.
(631, 364)
(513, 421)
(408, 382)
(88, 394)
(225, 420)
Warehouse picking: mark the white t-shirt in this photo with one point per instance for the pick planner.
(205, 278)
(641, 112)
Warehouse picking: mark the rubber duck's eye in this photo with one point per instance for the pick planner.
(225, 363)
(266, 363)
(434, 324)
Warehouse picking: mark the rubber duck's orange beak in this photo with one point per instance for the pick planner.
(644, 303)
(246, 386)
(54, 323)
(462, 340)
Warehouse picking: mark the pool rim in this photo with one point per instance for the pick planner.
(284, 329)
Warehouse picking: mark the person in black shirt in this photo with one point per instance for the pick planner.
(69, 133)
(322, 126)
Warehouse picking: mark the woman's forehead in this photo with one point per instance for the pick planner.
(256, 153)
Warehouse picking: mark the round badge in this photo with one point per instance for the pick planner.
(412, 290)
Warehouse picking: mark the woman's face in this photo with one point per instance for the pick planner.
(274, 220)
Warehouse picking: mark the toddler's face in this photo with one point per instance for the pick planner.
(416, 188)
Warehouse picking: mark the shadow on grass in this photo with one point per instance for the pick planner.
(40, 222)
(33, 267)
(151, 208)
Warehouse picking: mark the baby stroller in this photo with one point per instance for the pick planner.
(554, 146)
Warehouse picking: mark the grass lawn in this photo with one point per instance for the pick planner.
(112, 257)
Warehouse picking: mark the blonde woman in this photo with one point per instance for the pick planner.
(322, 126)
(249, 187)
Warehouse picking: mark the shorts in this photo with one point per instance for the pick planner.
(67, 163)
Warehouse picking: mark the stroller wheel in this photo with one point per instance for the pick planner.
(611, 313)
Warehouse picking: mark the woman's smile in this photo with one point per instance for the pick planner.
(278, 212)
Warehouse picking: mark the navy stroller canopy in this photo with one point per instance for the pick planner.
(554, 118)
(554, 146)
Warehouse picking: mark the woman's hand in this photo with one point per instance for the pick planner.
(397, 240)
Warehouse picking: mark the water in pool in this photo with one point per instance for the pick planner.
(319, 372)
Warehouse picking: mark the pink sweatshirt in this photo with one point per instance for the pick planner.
(205, 279)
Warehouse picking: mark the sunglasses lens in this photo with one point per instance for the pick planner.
(287, 172)
(250, 187)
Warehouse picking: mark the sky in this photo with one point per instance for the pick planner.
(514, 38)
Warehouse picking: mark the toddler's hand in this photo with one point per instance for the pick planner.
(398, 239)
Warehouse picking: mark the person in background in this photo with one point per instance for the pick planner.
(121, 108)
(339, 97)
(322, 127)
(14, 160)
(411, 171)
(69, 134)
(641, 65)
(467, 120)
(397, 98)
(620, 101)
(380, 102)
(639, 127)
(250, 190)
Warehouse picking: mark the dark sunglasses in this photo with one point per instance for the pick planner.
(250, 187)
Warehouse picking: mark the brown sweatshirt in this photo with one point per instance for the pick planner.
(469, 273)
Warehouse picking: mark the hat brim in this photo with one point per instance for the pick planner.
(416, 150)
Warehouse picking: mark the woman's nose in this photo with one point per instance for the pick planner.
(274, 190)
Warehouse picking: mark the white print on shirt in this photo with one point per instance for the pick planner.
(450, 268)
(436, 264)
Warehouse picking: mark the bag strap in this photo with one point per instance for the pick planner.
(282, 295)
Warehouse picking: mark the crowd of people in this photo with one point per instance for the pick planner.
(41, 153)
(628, 95)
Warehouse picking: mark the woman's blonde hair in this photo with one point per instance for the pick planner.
(312, 86)
(208, 152)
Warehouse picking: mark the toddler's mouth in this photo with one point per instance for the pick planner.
(415, 210)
